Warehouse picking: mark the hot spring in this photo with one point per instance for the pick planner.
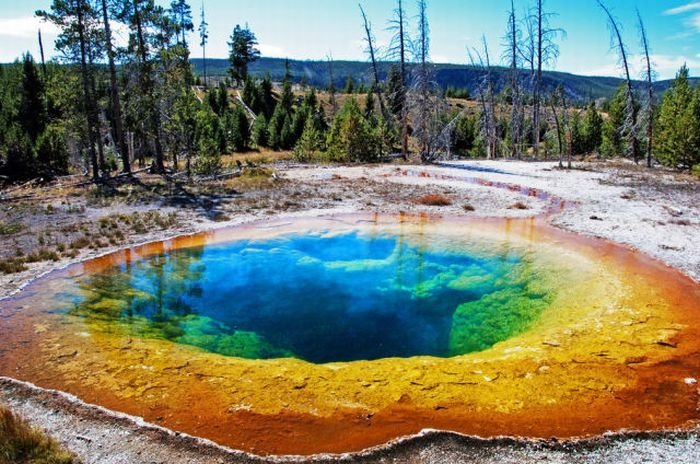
(334, 334)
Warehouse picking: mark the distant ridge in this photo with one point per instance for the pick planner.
(315, 73)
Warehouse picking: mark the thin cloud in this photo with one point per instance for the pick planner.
(665, 66)
(25, 27)
(272, 50)
(441, 59)
(683, 9)
(692, 20)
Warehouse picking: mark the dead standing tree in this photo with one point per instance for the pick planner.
(630, 125)
(331, 85)
(544, 52)
(371, 50)
(419, 99)
(482, 61)
(425, 101)
(397, 51)
(557, 100)
(649, 78)
(512, 55)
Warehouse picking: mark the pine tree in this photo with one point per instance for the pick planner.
(116, 108)
(280, 119)
(349, 86)
(252, 96)
(78, 42)
(182, 14)
(268, 100)
(613, 127)
(243, 51)
(394, 91)
(207, 137)
(222, 97)
(310, 143)
(592, 129)
(144, 19)
(32, 108)
(465, 134)
(350, 137)
(679, 124)
(52, 151)
(260, 131)
(184, 125)
(369, 104)
(578, 136)
(237, 129)
(301, 115)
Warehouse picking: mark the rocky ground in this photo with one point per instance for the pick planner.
(44, 228)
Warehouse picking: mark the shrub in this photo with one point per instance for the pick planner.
(434, 200)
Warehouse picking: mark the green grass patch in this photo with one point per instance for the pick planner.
(10, 228)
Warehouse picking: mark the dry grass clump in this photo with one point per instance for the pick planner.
(20, 443)
(12, 265)
(262, 156)
(253, 178)
(680, 222)
(434, 199)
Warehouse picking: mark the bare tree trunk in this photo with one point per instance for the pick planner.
(114, 91)
(41, 52)
(98, 126)
(371, 49)
(487, 98)
(331, 85)
(514, 84)
(88, 101)
(650, 91)
(538, 80)
(630, 104)
(424, 83)
(493, 149)
(204, 63)
(404, 106)
(557, 123)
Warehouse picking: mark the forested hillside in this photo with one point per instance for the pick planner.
(316, 73)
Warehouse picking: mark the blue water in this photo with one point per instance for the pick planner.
(318, 297)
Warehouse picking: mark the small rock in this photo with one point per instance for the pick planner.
(690, 381)
(675, 212)
(595, 218)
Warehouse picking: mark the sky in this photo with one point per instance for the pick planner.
(315, 29)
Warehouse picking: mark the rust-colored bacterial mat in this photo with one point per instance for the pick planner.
(334, 334)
